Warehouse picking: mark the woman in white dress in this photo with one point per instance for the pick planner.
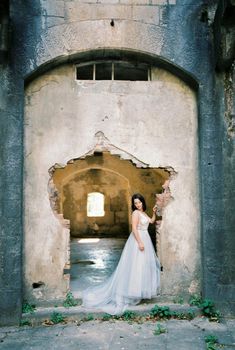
(137, 275)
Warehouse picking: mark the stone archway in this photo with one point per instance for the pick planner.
(156, 121)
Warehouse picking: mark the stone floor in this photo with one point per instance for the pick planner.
(119, 335)
(92, 261)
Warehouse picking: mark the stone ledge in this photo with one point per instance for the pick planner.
(77, 313)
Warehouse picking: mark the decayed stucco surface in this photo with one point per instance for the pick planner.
(155, 121)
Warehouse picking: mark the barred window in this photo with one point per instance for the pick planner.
(113, 70)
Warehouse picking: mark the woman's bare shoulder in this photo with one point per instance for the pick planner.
(135, 214)
(135, 217)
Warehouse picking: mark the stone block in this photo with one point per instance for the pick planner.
(109, 218)
(11, 306)
(13, 132)
(147, 14)
(54, 21)
(12, 208)
(10, 277)
(109, 2)
(85, 12)
(134, 2)
(49, 8)
(12, 188)
(163, 16)
(121, 217)
(115, 230)
(74, 9)
(159, 2)
(13, 161)
(80, 216)
(11, 228)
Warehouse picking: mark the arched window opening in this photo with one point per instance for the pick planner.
(95, 204)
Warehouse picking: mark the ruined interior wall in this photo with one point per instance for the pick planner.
(155, 121)
(121, 180)
(115, 221)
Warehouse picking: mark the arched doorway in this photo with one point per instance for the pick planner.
(155, 120)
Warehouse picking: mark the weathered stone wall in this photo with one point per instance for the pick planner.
(219, 242)
(11, 156)
(223, 272)
(62, 115)
(177, 35)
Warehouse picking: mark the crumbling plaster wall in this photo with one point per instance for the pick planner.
(155, 121)
(43, 34)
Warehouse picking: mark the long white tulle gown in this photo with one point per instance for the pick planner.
(137, 276)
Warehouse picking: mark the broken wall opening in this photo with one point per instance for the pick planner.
(94, 258)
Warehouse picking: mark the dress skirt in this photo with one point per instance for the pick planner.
(136, 277)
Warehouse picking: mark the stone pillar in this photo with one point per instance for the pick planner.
(11, 164)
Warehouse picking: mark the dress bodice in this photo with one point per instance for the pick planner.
(143, 222)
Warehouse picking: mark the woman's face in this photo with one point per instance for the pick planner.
(138, 204)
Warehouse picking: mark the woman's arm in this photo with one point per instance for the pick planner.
(134, 223)
(153, 219)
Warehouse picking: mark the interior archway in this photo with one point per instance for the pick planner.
(74, 200)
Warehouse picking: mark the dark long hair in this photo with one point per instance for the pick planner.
(141, 198)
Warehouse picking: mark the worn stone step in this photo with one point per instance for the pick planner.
(77, 313)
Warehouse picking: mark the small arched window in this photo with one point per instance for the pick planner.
(95, 204)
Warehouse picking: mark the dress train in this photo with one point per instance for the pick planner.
(136, 277)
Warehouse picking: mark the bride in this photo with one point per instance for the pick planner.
(137, 275)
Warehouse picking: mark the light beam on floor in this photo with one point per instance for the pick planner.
(88, 240)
